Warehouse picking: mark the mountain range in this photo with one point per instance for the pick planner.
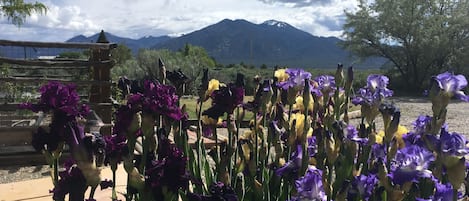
(271, 42)
(234, 41)
(134, 44)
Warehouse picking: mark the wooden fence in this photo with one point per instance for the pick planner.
(91, 75)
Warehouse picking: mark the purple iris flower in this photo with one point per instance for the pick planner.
(158, 99)
(453, 144)
(169, 170)
(326, 84)
(417, 136)
(218, 192)
(421, 123)
(60, 98)
(352, 135)
(177, 78)
(378, 151)
(310, 187)
(375, 90)
(312, 146)
(115, 148)
(226, 99)
(291, 167)
(452, 85)
(444, 192)
(410, 164)
(71, 182)
(262, 92)
(95, 144)
(123, 119)
(296, 78)
(106, 184)
(362, 186)
(414, 138)
(43, 140)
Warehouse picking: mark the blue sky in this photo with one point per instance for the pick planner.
(138, 18)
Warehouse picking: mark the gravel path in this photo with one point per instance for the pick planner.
(411, 108)
(457, 116)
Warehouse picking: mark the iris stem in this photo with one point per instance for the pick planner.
(128, 196)
(238, 124)
(55, 166)
(114, 194)
(286, 185)
(199, 144)
(455, 194)
(217, 153)
(230, 145)
(93, 190)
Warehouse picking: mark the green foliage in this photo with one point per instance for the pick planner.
(420, 38)
(121, 54)
(16, 11)
(191, 60)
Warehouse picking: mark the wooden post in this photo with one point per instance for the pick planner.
(102, 94)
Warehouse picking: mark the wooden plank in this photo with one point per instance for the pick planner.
(40, 80)
(105, 46)
(55, 63)
(16, 136)
(47, 67)
(31, 158)
(41, 76)
(14, 106)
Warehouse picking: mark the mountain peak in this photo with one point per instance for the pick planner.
(276, 23)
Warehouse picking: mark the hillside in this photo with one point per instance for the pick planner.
(270, 43)
(133, 44)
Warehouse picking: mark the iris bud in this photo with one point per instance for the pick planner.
(456, 173)
(148, 125)
(306, 94)
(204, 84)
(393, 126)
(349, 82)
(162, 71)
(339, 74)
(135, 125)
(332, 151)
(90, 172)
(136, 180)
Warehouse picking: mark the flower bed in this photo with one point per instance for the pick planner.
(300, 145)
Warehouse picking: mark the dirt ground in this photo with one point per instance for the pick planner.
(411, 108)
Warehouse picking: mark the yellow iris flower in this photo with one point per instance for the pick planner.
(281, 75)
(206, 120)
(401, 130)
(213, 85)
(299, 104)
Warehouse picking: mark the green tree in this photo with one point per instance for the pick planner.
(121, 54)
(17, 11)
(418, 37)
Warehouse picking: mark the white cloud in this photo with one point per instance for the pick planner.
(138, 18)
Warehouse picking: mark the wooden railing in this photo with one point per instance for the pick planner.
(94, 84)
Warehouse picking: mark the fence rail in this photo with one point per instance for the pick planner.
(95, 83)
